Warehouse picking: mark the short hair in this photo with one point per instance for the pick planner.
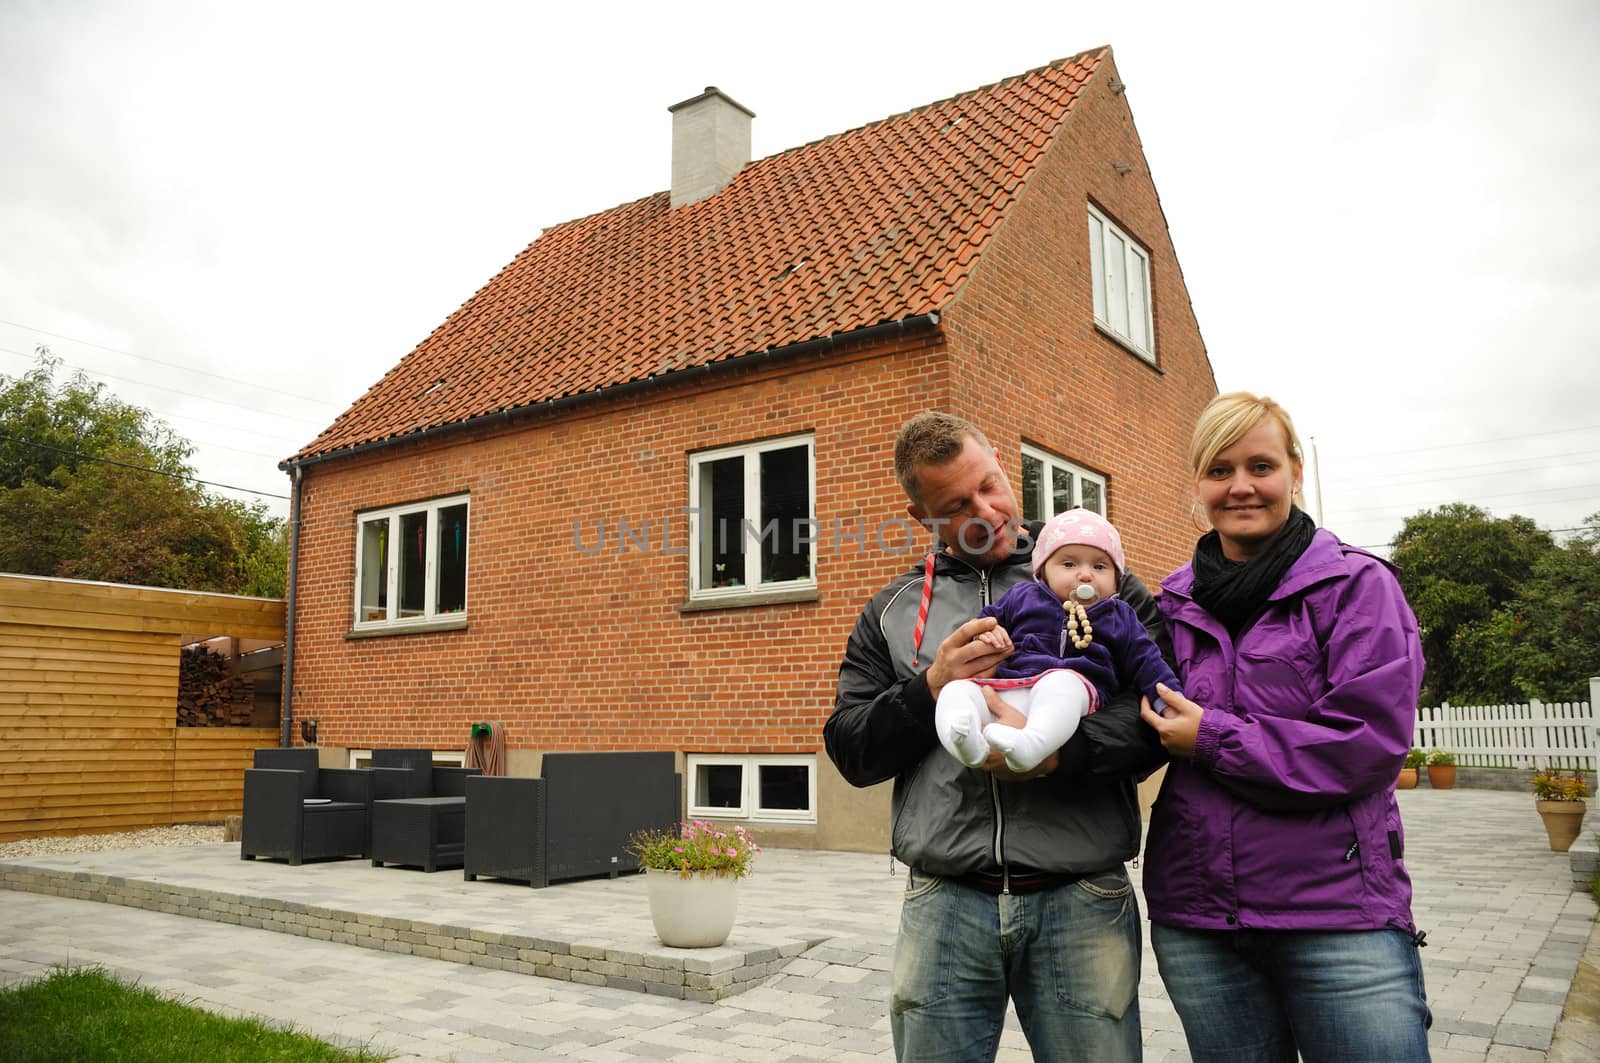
(1228, 418)
(930, 438)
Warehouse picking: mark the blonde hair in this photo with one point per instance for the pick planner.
(1227, 419)
(930, 438)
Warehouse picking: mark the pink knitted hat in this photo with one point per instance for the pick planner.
(1078, 527)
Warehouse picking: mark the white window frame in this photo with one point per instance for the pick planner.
(1050, 463)
(362, 758)
(1122, 303)
(430, 585)
(750, 794)
(700, 518)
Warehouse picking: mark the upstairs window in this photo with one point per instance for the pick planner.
(1121, 271)
(751, 526)
(1051, 485)
(411, 564)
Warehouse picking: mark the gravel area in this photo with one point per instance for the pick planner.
(184, 834)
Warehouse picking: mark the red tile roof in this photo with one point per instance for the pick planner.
(875, 224)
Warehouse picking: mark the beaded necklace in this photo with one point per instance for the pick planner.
(1078, 621)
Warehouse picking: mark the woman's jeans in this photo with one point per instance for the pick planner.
(1332, 996)
(1068, 957)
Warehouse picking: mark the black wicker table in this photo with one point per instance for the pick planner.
(425, 832)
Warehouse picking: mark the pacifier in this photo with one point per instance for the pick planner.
(1084, 592)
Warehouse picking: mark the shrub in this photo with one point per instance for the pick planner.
(1416, 758)
(696, 846)
(1442, 757)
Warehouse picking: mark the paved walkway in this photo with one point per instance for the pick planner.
(1505, 938)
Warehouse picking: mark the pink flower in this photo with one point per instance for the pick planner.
(732, 851)
(677, 848)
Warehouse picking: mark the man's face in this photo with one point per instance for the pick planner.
(968, 504)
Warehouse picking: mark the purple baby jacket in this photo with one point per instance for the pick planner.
(1121, 655)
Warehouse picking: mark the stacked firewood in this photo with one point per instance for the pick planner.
(209, 695)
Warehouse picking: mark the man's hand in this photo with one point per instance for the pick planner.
(996, 764)
(964, 655)
(1178, 723)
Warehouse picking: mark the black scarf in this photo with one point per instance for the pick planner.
(1235, 591)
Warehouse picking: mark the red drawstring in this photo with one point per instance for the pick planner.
(922, 610)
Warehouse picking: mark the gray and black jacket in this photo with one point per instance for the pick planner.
(950, 819)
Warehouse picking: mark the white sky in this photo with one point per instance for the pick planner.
(240, 216)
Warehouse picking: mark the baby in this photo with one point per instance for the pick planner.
(1074, 641)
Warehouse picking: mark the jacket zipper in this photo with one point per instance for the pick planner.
(994, 784)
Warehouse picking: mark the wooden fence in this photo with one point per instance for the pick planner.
(88, 698)
(1535, 735)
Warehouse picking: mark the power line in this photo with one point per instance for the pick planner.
(172, 390)
(1475, 442)
(1501, 468)
(1552, 531)
(139, 468)
(158, 361)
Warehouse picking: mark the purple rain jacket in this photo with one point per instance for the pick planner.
(1121, 655)
(1285, 818)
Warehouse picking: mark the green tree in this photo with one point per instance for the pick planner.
(1458, 566)
(1545, 642)
(91, 488)
(46, 427)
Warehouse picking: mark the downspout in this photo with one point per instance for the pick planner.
(286, 711)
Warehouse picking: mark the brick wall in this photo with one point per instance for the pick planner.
(581, 650)
(1029, 365)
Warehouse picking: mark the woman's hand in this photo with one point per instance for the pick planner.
(1178, 722)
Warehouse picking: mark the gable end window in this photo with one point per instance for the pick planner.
(1052, 485)
(411, 564)
(751, 526)
(1121, 270)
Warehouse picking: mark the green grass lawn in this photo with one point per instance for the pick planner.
(86, 1014)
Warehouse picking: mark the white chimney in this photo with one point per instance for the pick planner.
(710, 143)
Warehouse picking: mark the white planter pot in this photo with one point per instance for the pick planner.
(692, 913)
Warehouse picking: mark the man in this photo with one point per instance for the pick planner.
(1017, 886)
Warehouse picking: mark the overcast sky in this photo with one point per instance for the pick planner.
(1387, 214)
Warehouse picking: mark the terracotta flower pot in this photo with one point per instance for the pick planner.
(1563, 821)
(1441, 776)
(694, 912)
(1407, 779)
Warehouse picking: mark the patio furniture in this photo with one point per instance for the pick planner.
(295, 810)
(423, 777)
(425, 832)
(575, 821)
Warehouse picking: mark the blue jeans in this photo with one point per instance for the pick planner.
(1068, 957)
(1345, 996)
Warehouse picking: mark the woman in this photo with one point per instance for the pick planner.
(1279, 903)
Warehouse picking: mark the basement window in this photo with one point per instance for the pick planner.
(751, 528)
(769, 787)
(1121, 270)
(411, 564)
(1052, 485)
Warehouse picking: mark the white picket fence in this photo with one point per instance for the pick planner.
(1535, 735)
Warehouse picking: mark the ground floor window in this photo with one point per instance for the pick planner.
(411, 563)
(752, 527)
(756, 786)
(1052, 485)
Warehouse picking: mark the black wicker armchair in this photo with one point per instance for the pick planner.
(417, 819)
(573, 822)
(295, 810)
(424, 778)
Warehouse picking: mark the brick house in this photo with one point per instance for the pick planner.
(634, 492)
